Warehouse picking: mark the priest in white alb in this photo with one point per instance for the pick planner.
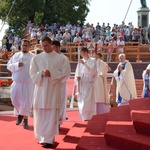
(85, 77)
(22, 87)
(63, 115)
(126, 88)
(47, 73)
(101, 91)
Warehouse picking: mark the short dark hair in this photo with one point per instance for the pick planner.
(99, 55)
(25, 40)
(56, 43)
(46, 38)
(84, 49)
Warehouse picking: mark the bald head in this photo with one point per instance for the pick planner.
(122, 57)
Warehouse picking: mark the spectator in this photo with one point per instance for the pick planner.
(148, 32)
(120, 44)
(14, 47)
(73, 33)
(10, 40)
(4, 40)
(127, 34)
(67, 35)
(96, 34)
(58, 36)
(112, 43)
(18, 41)
(63, 42)
(33, 34)
(29, 24)
(68, 26)
(42, 27)
(101, 42)
(77, 39)
(39, 35)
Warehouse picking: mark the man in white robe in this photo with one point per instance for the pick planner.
(101, 91)
(84, 77)
(126, 89)
(47, 72)
(22, 87)
(56, 48)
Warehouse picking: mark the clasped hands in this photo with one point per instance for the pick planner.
(78, 78)
(20, 64)
(81, 61)
(46, 73)
(147, 71)
(119, 68)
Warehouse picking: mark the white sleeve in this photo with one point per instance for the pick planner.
(36, 75)
(12, 65)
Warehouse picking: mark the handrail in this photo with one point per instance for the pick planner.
(133, 47)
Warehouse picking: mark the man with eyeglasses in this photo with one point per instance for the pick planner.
(22, 87)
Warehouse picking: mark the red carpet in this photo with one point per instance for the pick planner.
(128, 126)
(70, 83)
(123, 128)
(16, 138)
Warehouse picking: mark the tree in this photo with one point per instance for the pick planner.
(44, 11)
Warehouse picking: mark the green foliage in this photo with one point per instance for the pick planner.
(43, 11)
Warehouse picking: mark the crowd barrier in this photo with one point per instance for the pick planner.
(135, 52)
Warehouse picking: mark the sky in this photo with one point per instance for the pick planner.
(2, 32)
(108, 11)
(113, 11)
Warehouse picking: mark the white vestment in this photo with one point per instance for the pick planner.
(22, 87)
(125, 83)
(64, 89)
(101, 92)
(86, 100)
(47, 94)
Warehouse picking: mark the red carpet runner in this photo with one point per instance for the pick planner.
(14, 137)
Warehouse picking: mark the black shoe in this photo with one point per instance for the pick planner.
(19, 120)
(48, 145)
(25, 124)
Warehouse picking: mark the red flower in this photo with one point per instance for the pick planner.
(5, 83)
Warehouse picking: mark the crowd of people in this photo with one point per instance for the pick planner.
(88, 32)
(39, 82)
(115, 35)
